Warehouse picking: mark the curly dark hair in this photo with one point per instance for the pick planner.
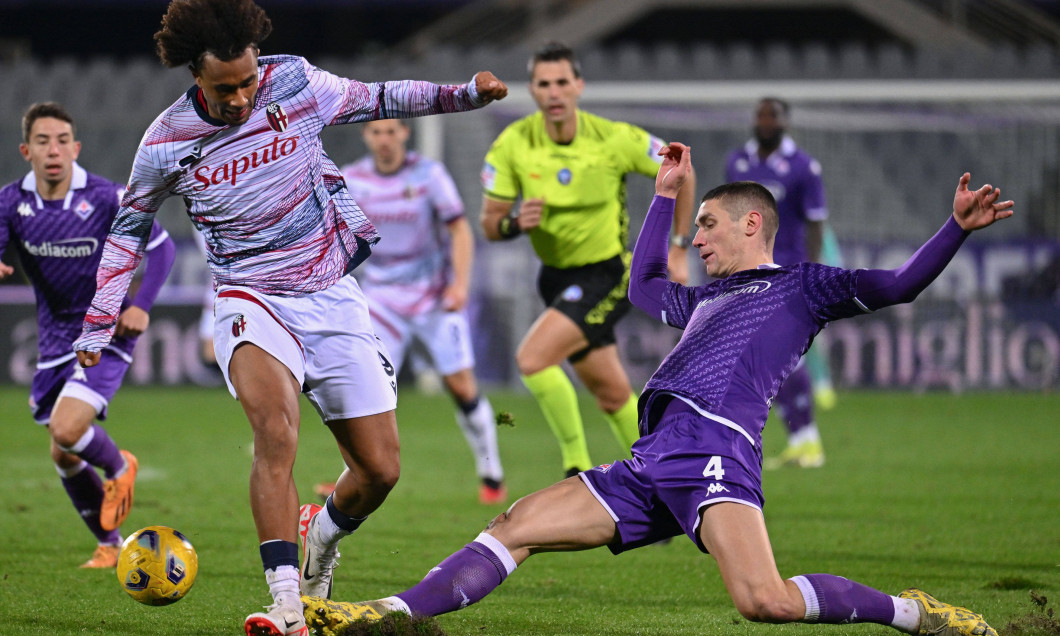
(223, 28)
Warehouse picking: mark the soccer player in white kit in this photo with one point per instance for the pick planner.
(242, 148)
(417, 279)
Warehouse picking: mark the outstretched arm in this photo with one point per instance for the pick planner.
(343, 101)
(972, 210)
(648, 276)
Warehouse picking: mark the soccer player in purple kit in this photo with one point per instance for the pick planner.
(793, 177)
(57, 218)
(242, 148)
(696, 469)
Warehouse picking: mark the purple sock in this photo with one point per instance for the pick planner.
(86, 493)
(102, 452)
(832, 599)
(466, 577)
(795, 399)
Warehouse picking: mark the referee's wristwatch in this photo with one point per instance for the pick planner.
(680, 240)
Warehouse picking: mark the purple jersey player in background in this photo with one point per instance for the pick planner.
(57, 218)
(242, 148)
(793, 177)
(697, 468)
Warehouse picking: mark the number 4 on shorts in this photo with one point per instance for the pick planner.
(714, 468)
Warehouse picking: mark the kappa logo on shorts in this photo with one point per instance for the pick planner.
(572, 294)
(239, 325)
(276, 116)
(715, 489)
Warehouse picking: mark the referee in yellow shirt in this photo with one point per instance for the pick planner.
(569, 167)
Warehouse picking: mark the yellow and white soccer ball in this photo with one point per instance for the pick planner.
(157, 565)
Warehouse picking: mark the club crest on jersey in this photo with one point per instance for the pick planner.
(277, 117)
(488, 176)
(572, 294)
(564, 176)
(239, 325)
(83, 209)
(24, 209)
(654, 146)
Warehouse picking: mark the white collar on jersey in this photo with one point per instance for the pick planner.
(78, 181)
(787, 148)
(768, 266)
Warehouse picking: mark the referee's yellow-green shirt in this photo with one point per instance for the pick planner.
(583, 183)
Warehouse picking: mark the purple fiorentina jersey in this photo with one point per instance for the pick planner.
(409, 268)
(744, 334)
(794, 178)
(59, 244)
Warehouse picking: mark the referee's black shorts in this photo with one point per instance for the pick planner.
(594, 296)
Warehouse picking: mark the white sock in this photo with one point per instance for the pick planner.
(906, 615)
(283, 585)
(808, 433)
(480, 431)
(327, 531)
(394, 604)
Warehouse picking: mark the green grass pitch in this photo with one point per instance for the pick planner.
(957, 494)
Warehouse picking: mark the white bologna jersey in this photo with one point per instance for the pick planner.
(271, 204)
(409, 269)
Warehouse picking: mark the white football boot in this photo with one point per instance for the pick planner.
(318, 560)
(277, 620)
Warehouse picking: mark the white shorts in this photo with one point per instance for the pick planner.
(324, 338)
(444, 334)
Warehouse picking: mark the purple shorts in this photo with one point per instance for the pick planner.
(95, 385)
(687, 463)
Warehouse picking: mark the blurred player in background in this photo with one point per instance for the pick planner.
(58, 217)
(772, 159)
(418, 278)
(242, 149)
(697, 469)
(569, 167)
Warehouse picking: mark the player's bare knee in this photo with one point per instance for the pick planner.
(497, 523)
(611, 399)
(381, 476)
(66, 432)
(528, 361)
